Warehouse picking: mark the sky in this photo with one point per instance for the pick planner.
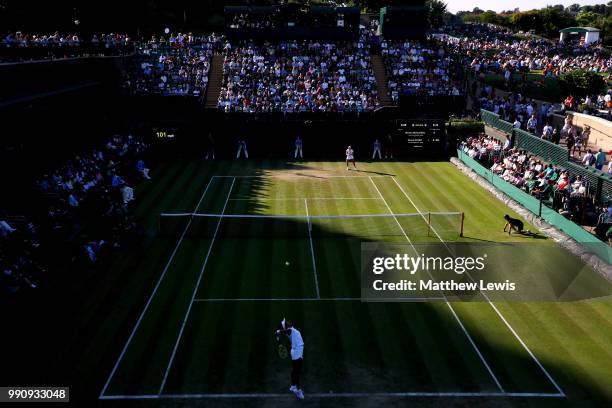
(501, 5)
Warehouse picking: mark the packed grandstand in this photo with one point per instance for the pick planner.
(278, 121)
(334, 76)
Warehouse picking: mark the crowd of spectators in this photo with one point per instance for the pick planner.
(595, 105)
(177, 65)
(20, 46)
(523, 113)
(298, 76)
(81, 212)
(419, 68)
(537, 119)
(567, 194)
(487, 48)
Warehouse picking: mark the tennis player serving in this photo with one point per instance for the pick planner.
(350, 157)
(297, 355)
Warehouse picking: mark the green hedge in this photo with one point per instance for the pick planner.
(465, 126)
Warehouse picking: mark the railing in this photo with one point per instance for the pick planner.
(552, 153)
(493, 120)
(15, 54)
(575, 231)
(544, 149)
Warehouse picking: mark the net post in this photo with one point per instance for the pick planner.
(428, 223)
(461, 227)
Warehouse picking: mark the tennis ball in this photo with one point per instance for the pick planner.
(286, 263)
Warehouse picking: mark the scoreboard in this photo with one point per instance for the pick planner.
(420, 135)
(164, 134)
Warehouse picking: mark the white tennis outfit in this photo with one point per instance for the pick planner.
(298, 149)
(350, 154)
(376, 150)
(297, 344)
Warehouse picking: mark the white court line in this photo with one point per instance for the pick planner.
(501, 316)
(319, 299)
(300, 175)
(314, 264)
(304, 198)
(161, 278)
(327, 395)
(301, 217)
(467, 334)
(195, 291)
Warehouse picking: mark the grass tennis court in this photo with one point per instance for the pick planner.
(212, 295)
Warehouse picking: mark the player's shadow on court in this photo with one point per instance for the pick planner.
(534, 235)
(378, 173)
(310, 175)
(479, 239)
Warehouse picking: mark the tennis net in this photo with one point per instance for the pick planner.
(385, 227)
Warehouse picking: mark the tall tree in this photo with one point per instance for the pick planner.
(436, 10)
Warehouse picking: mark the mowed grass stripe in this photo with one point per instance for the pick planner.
(155, 338)
(554, 263)
(500, 362)
(455, 190)
(325, 349)
(584, 323)
(583, 352)
(441, 344)
(132, 277)
(144, 361)
(405, 206)
(104, 329)
(433, 191)
(514, 368)
(253, 263)
(221, 359)
(193, 361)
(335, 256)
(600, 313)
(150, 205)
(228, 269)
(451, 354)
(242, 336)
(486, 216)
(160, 177)
(415, 226)
(197, 354)
(418, 361)
(493, 352)
(161, 201)
(399, 203)
(193, 287)
(574, 372)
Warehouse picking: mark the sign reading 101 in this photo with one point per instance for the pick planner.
(163, 134)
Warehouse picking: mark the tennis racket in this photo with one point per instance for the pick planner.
(283, 353)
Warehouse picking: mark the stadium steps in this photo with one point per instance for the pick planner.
(378, 66)
(215, 79)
